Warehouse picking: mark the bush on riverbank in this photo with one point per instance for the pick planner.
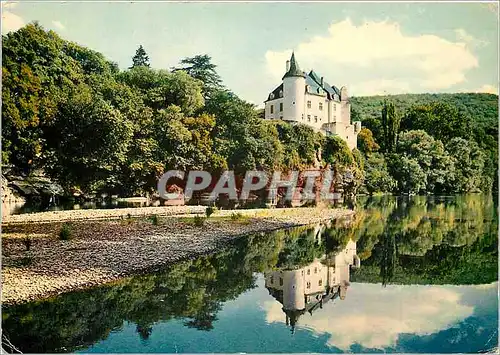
(66, 232)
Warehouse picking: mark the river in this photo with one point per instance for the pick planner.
(409, 274)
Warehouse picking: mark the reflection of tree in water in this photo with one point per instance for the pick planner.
(428, 240)
(193, 291)
(417, 240)
(388, 257)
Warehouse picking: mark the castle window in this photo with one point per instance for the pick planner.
(315, 118)
(320, 283)
(309, 118)
(281, 281)
(308, 285)
(281, 93)
(334, 107)
(308, 272)
(271, 96)
(308, 104)
(302, 117)
(321, 106)
(315, 270)
(272, 108)
(281, 106)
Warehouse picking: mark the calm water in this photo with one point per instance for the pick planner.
(411, 275)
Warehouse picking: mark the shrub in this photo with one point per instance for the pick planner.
(210, 210)
(154, 219)
(236, 216)
(199, 221)
(25, 260)
(27, 241)
(66, 232)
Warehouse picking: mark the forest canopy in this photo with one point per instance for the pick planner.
(72, 115)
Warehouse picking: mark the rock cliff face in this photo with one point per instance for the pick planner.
(18, 189)
(9, 195)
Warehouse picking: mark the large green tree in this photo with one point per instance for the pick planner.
(201, 67)
(140, 59)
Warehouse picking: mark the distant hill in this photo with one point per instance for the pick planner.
(482, 108)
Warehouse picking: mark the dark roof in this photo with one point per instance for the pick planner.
(312, 79)
(294, 68)
(331, 90)
(276, 93)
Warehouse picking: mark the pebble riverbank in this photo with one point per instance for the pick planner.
(102, 251)
(96, 214)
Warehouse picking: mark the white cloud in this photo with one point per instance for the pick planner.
(10, 21)
(489, 89)
(469, 39)
(377, 57)
(58, 25)
(374, 317)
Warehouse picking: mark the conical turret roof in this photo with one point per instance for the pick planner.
(294, 68)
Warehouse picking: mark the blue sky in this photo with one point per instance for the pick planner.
(372, 48)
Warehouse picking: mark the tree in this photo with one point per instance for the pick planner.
(160, 88)
(336, 152)
(390, 124)
(90, 140)
(377, 177)
(440, 120)
(201, 67)
(140, 59)
(469, 162)
(36, 74)
(408, 174)
(366, 142)
(430, 154)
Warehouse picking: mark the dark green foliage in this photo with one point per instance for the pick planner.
(377, 177)
(140, 58)
(66, 232)
(336, 152)
(452, 138)
(27, 241)
(390, 125)
(201, 67)
(154, 220)
(209, 211)
(26, 260)
(199, 221)
(69, 112)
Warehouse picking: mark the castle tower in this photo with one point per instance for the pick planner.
(294, 86)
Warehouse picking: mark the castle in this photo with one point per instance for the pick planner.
(310, 100)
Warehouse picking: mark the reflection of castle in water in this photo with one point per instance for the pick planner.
(309, 288)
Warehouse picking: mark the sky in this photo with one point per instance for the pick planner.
(371, 48)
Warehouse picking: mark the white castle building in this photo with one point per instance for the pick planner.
(309, 99)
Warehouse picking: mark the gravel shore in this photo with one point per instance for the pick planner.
(102, 251)
(96, 214)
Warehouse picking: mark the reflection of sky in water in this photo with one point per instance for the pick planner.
(374, 317)
(411, 318)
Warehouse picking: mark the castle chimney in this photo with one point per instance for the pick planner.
(322, 80)
(287, 66)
